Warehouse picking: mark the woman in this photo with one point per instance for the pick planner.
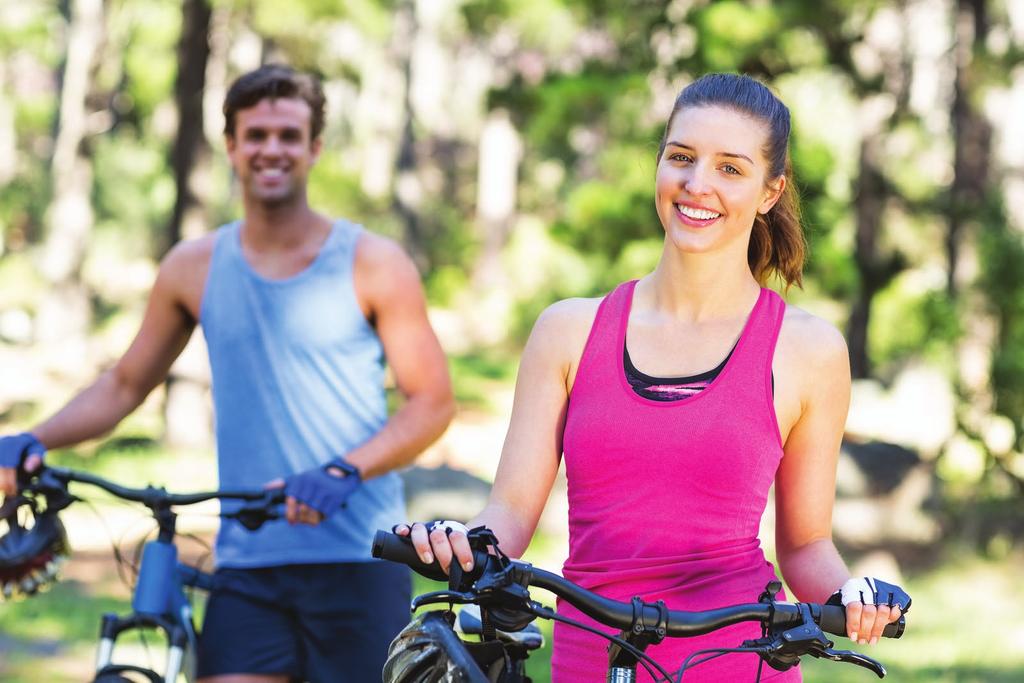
(680, 398)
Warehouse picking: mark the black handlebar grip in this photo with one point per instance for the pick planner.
(389, 546)
(833, 620)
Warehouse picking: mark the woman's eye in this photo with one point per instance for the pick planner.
(679, 156)
(730, 169)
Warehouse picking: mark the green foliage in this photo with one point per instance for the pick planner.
(918, 165)
(478, 375)
(133, 191)
(907, 323)
(150, 61)
(29, 28)
(1002, 279)
(551, 110)
(733, 32)
(22, 207)
(19, 282)
(334, 189)
(603, 217)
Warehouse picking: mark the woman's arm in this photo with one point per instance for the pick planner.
(805, 481)
(533, 445)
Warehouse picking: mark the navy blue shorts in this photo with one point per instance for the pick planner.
(316, 623)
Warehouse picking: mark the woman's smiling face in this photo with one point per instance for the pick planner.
(712, 179)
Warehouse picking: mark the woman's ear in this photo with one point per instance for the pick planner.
(771, 194)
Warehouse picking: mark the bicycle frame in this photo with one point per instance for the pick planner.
(158, 601)
(158, 598)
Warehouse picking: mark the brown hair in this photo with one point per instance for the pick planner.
(274, 81)
(777, 243)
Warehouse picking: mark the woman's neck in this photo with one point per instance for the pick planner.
(699, 287)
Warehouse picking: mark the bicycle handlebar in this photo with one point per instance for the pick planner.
(157, 495)
(830, 618)
(55, 480)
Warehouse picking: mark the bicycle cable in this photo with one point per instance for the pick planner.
(120, 561)
(714, 654)
(642, 658)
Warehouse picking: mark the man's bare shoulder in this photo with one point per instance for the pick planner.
(187, 255)
(376, 250)
(385, 276)
(183, 273)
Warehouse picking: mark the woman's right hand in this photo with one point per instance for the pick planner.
(443, 539)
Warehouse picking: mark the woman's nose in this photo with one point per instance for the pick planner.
(695, 181)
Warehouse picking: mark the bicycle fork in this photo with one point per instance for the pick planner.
(153, 606)
(114, 625)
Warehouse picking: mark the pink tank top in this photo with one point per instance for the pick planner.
(665, 498)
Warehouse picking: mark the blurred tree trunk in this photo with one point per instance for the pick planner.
(186, 407)
(883, 106)
(190, 156)
(497, 180)
(972, 134)
(408, 194)
(869, 204)
(66, 311)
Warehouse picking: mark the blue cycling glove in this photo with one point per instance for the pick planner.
(321, 490)
(14, 450)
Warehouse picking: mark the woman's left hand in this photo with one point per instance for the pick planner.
(870, 606)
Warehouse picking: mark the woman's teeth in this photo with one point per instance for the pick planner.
(697, 214)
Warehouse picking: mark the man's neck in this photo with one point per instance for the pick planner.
(270, 228)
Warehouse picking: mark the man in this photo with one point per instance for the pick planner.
(299, 313)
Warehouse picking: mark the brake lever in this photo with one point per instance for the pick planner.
(448, 597)
(255, 515)
(49, 483)
(851, 657)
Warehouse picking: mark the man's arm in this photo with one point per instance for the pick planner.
(390, 292)
(166, 328)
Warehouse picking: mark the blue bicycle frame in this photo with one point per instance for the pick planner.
(159, 602)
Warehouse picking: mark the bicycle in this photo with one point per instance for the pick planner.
(32, 550)
(429, 649)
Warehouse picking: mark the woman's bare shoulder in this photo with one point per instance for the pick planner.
(812, 341)
(559, 337)
(567, 318)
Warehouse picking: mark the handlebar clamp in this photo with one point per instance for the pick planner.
(651, 633)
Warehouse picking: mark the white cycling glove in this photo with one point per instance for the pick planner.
(448, 525)
(871, 592)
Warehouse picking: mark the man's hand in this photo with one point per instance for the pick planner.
(320, 492)
(18, 451)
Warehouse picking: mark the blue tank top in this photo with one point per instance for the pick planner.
(298, 378)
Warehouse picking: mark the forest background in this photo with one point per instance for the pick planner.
(510, 146)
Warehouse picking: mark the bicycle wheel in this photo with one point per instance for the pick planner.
(126, 673)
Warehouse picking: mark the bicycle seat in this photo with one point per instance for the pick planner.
(469, 623)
